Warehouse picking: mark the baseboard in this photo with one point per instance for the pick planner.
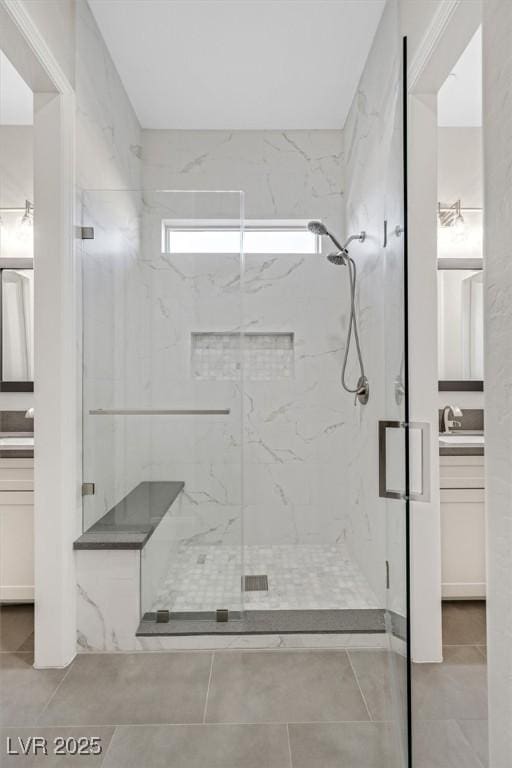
(16, 594)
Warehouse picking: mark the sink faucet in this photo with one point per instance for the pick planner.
(448, 423)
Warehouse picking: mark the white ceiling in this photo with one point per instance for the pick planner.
(459, 102)
(16, 98)
(239, 64)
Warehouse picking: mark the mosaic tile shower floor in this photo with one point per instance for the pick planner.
(300, 577)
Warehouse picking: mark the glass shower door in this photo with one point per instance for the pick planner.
(163, 389)
(377, 202)
(395, 431)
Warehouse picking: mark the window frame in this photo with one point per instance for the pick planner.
(234, 225)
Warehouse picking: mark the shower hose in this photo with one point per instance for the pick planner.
(352, 330)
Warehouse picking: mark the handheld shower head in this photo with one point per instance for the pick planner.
(339, 258)
(317, 228)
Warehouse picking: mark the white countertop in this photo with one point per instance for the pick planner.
(16, 443)
(461, 441)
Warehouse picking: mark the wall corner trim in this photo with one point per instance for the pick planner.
(430, 40)
(22, 18)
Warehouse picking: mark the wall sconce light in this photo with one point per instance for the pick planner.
(19, 229)
(27, 220)
(450, 217)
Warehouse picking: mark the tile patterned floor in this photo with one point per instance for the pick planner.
(450, 699)
(242, 709)
(204, 578)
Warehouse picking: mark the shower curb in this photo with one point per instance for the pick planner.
(279, 622)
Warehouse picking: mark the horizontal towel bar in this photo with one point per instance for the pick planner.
(176, 412)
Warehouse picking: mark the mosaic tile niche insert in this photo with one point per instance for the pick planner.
(267, 356)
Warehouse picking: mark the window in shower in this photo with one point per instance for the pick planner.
(223, 236)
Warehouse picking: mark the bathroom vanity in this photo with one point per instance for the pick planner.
(16, 508)
(461, 438)
(462, 478)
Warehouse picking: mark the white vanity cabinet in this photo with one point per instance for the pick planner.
(16, 530)
(463, 527)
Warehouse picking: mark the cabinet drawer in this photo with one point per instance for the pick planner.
(16, 464)
(462, 472)
(16, 475)
(462, 496)
(17, 484)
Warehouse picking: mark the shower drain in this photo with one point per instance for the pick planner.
(255, 583)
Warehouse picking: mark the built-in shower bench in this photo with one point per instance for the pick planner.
(132, 522)
(120, 563)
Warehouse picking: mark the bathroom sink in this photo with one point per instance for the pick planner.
(16, 443)
(461, 441)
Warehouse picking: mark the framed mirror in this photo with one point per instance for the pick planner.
(460, 324)
(17, 319)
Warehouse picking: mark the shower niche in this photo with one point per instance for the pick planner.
(266, 356)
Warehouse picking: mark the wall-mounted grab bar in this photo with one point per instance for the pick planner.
(176, 412)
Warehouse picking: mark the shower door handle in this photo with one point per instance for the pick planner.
(392, 460)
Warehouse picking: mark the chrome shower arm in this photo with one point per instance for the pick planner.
(335, 241)
(361, 237)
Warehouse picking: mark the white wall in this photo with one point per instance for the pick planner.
(296, 444)
(416, 17)
(497, 34)
(425, 517)
(441, 34)
(16, 166)
(374, 192)
(55, 20)
(460, 177)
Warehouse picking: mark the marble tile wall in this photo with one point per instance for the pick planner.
(184, 295)
(108, 599)
(108, 157)
(107, 129)
(497, 111)
(294, 428)
(285, 174)
(373, 194)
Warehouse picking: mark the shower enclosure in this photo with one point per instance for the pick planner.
(213, 374)
(213, 345)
